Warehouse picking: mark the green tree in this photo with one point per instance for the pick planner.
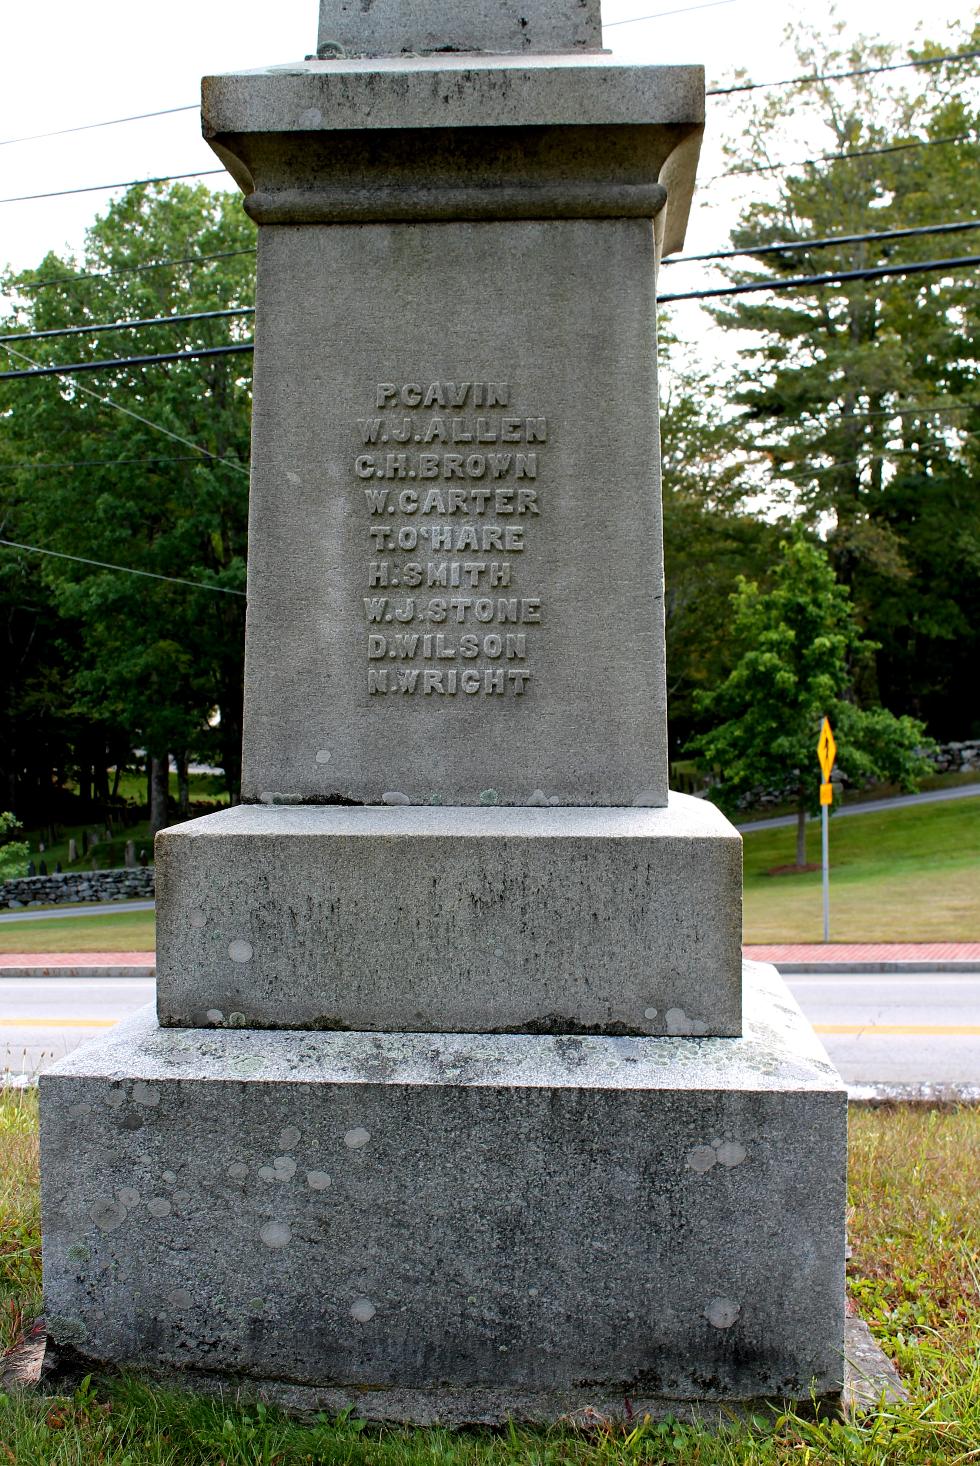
(14, 854)
(798, 649)
(861, 399)
(156, 482)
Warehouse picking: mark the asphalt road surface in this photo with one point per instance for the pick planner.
(872, 806)
(905, 1028)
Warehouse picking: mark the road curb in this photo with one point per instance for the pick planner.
(788, 969)
(135, 970)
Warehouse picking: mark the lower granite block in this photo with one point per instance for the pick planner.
(468, 920)
(410, 1222)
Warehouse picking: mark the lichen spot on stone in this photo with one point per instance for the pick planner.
(677, 1021)
(489, 796)
(146, 1095)
(169, 1178)
(116, 1098)
(238, 1020)
(700, 1159)
(239, 950)
(731, 1153)
(197, 919)
(180, 1297)
(394, 797)
(323, 756)
(357, 1138)
(159, 1206)
(78, 1253)
(317, 1180)
(237, 1170)
(82, 1108)
(650, 1014)
(721, 1313)
(128, 1196)
(289, 1138)
(276, 1234)
(107, 1215)
(538, 799)
(363, 1310)
(215, 1015)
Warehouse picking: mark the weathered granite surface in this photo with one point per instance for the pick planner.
(443, 620)
(407, 1218)
(389, 27)
(453, 920)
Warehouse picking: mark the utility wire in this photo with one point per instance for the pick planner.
(825, 243)
(96, 462)
(71, 368)
(749, 86)
(128, 411)
(106, 326)
(167, 264)
(90, 126)
(792, 81)
(61, 193)
(125, 569)
(879, 272)
(607, 25)
(931, 142)
(916, 267)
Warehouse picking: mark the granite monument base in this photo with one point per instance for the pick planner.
(401, 1222)
(464, 920)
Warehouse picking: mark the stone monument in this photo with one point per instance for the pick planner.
(457, 1103)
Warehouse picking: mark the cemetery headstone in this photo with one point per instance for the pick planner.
(72, 851)
(458, 1103)
(130, 855)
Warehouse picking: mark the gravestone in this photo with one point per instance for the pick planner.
(458, 1103)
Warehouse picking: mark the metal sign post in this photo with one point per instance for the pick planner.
(826, 752)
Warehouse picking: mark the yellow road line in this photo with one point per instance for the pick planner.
(914, 1030)
(910, 1030)
(58, 1022)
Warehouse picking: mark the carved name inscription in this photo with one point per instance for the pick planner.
(449, 472)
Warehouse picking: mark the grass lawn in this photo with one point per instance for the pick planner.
(914, 1225)
(122, 931)
(907, 875)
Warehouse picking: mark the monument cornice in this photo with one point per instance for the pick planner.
(436, 138)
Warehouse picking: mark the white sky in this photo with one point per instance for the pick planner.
(69, 62)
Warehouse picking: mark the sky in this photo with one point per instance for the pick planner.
(74, 62)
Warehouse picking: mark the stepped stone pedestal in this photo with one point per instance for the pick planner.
(457, 1103)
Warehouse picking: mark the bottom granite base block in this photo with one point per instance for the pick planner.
(454, 1226)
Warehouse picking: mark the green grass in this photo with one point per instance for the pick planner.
(118, 931)
(914, 1224)
(908, 874)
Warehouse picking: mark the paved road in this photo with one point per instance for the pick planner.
(92, 908)
(889, 1028)
(872, 806)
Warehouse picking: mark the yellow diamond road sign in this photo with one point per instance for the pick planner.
(826, 750)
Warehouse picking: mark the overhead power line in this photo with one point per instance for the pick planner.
(658, 14)
(34, 137)
(72, 368)
(166, 264)
(930, 142)
(917, 267)
(138, 417)
(44, 464)
(223, 590)
(60, 193)
(106, 326)
(825, 243)
(792, 81)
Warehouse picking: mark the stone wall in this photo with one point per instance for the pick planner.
(958, 758)
(77, 886)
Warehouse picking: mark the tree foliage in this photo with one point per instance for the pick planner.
(860, 401)
(798, 651)
(148, 661)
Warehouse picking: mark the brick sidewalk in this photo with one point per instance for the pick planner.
(840, 953)
(846, 952)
